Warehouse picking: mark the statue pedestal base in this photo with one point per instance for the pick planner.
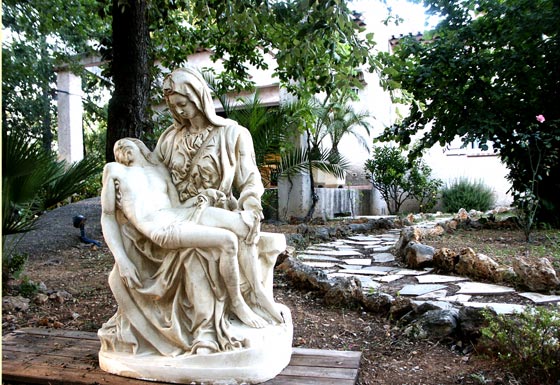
(268, 353)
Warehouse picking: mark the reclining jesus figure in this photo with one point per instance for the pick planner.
(148, 199)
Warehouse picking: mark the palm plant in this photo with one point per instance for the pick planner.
(266, 128)
(275, 130)
(33, 180)
(343, 120)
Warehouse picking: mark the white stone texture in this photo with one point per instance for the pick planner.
(420, 289)
(541, 298)
(436, 278)
(478, 288)
(499, 308)
(70, 109)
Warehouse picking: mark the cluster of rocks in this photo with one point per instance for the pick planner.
(429, 319)
(12, 305)
(340, 272)
(536, 274)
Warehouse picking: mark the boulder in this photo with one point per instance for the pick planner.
(437, 324)
(475, 265)
(399, 308)
(437, 230)
(303, 276)
(296, 240)
(418, 255)
(382, 224)
(40, 298)
(344, 292)
(451, 225)
(462, 215)
(445, 259)
(379, 303)
(17, 303)
(471, 321)
(408, 234)
(536, 275)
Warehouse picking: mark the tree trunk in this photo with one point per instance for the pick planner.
(314, 196)
(130, 67)
(46, 129)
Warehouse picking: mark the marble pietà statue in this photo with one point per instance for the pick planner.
(193, 272)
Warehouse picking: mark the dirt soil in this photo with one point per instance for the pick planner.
(58, 259)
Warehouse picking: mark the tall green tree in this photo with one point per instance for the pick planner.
(316, 44)
(38, 36)
(485, 74)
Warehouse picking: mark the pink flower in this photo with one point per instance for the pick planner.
(540, 118)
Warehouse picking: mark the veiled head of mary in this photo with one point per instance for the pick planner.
(190, 83)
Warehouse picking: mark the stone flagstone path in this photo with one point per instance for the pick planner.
(368, 258)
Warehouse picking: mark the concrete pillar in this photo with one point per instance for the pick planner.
(70, 110)
(294, 197)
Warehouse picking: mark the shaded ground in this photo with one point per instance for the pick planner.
(63, 264)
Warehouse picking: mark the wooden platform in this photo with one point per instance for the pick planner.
(51, 356)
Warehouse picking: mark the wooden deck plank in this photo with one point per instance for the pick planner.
(54, 356)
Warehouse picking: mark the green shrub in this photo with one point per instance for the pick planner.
(28, 288)
(269, 203)
(399, 180)
(16, 264)
(527, 343)
(468, 195)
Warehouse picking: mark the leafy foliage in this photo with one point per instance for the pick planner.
(38, 37)
(35, 181)
(398, 180)
(317, 46)
(527, 340)
(316, 43)
(468, 195)
(424, 188)
(484, 74)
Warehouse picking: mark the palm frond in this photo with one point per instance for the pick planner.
(70, 180)
(297, 161)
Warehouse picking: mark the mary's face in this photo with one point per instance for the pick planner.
(182, 107)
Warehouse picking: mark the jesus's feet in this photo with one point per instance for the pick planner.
(247, 316)
(268, 305)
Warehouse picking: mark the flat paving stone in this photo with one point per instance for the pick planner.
(380, 249)
(411, 272)
(329, 244)
(336, 253)
(540, 298)
(441, 304)
(362, 272)
(388, 278)
(363, 243)
(367, 283)
(320, 265)
(477, 288)
(436, 278)
(434, 294)
(415, 290)
(500, 308)
(383, 257)
(324, 258)
(344, 266)
(458, 298)
(358, 261)
(384, 269)
(362, 238)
